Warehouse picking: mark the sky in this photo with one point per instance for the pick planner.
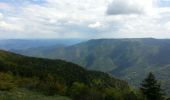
(89, 19)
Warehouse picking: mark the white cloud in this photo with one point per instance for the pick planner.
(95, 25)
(4, 6)
(84, 19)
(9, 27)
(130, 7)
(1, 16)
(56, 18)
(167, 26)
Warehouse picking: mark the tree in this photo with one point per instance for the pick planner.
(79, 91)
(131, 96)
(151, 89)
(51, 86)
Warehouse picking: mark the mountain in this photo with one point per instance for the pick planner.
(22, 44)
(55, 77)
(128, 59)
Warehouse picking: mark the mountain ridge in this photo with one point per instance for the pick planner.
(128, 59)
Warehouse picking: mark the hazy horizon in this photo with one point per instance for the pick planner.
(78, 38)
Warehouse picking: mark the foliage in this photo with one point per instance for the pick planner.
(151, 88)
(24, 94)
(127, 59)
(57, 77)
(6, 81)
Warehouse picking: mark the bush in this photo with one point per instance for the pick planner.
(7, 81)
(51, 86)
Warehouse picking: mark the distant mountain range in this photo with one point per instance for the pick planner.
(23, 44)
(128, 59)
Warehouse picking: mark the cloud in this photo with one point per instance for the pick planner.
(167, 25)
(52, 18)
(125, 7)
(95, 25)
(1, 16)
(83, 19)
(4, 6)
(9, 27)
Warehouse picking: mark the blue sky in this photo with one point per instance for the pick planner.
(164, 3)
(22, 1)
(84, 19)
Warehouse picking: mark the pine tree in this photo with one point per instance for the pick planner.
(151, 89)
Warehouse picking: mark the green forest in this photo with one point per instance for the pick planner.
(28, 78)
(126, 59)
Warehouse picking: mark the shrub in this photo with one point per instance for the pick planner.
(7, 81)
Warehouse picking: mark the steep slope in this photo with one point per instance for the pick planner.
(55, 76)
(129, 59)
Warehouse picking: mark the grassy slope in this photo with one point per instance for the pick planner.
(24, 94)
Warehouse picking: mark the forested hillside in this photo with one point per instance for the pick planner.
(20, 76)
(128, 59)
